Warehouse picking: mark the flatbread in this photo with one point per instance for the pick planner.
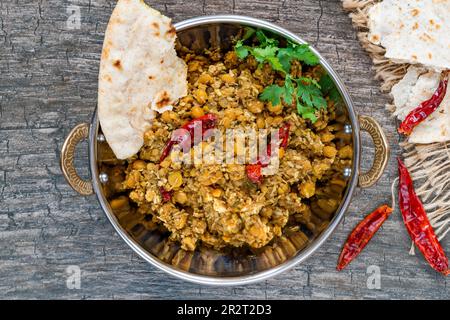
(417, 86)
(413, 31)
(140, 74)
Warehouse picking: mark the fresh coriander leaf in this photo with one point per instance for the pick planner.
(310, 115)
(276, 64)
(273, 93)
(296, 52)
(311, 95)
(329, 88)
(303, 53)
(248, 33)
(265, 40)
(288, 89)
(285, 57)
(326, 83)
(262, 54)
(314, 82)
(319, 101)
(308, 91)
(304, 94)
(241, 50)
(335, 95)
(267, 54)
(306, 80)
(306, 112)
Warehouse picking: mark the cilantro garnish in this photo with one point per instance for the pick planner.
(307, 93)
(329, 89)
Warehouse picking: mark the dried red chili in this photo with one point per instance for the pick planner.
(417, 223)
(166, 195)
(283, 135)
(426, 108)
(186, 137)
(361, 235)
(254, 171)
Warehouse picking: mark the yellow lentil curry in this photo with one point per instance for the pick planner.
(216, 205)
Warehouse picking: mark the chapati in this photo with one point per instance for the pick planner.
(411, 31)
(140, 74)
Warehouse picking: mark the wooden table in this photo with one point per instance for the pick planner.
(48, 84)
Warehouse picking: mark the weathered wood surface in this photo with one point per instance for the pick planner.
(48, 84)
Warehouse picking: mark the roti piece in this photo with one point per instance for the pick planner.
(417, 86)
(413, 31)
(140, 74)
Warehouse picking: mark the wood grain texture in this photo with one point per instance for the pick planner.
(48, 84)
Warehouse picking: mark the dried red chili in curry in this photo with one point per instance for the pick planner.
(254, 171)
(185, 136)
(166, 195)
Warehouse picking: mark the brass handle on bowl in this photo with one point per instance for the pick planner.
(79, 133)
(371, 126)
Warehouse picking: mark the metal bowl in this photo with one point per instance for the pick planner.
(207, 266)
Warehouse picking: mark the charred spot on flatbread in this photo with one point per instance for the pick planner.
(117, 64)
(171, 32)
(426, 37)
(155, 26)
(163, 100)
(105, 53)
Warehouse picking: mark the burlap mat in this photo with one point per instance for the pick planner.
(429, 164)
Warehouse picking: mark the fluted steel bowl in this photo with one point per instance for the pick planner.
(205, 265)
